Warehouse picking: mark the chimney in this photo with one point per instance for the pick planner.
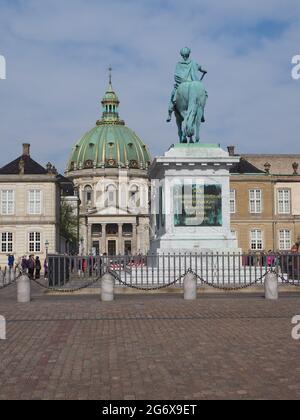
(26, 149)
(231, 150)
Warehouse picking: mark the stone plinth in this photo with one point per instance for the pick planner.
(192, 200)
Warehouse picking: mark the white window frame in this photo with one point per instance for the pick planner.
(34, 242)
(232, 201)
(284, 202)
(284, 239)
(255, 240)
(255, 201)
(6, 201)
(36, 203)
(7, 242)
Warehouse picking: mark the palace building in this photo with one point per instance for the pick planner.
(30, 208)
(109, 168)
(265, 202)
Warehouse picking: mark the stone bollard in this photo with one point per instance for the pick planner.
(107, 288)
(6, 276)
(23, 289)
(271, 286)
(190, 287)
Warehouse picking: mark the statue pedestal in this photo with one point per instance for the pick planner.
(192, 200)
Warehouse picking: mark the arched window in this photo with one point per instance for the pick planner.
(88, 195)
(134, 197)
(111, 196)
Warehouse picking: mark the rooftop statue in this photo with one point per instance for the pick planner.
(188, 98)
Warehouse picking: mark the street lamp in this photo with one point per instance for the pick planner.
(47, 247)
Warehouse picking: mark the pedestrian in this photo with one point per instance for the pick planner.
(24, 264)
(38, 268)
(271, 259)
(293, 264)
(45, 269)
(31, 266)
(11, 261)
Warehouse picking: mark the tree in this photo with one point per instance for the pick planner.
(68, 223)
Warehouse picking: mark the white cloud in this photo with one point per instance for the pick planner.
(58, 54)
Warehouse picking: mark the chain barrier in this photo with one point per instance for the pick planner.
(60, 290)
(145, 289)
(228, 288)
(4, 286)
(287, 281)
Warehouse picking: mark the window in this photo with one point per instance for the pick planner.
(255, 201)
(256, 240)
(111, 196)
(232, 201)
(285, 240)
(7, 202)
(6, 242)
(88, 194)
(34, 202)
(134, 199)
(284, 202)
(34, 242)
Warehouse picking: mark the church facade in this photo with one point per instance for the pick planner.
(109, 169)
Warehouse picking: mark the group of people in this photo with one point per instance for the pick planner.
(31, 265)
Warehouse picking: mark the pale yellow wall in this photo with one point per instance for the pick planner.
(294, 187)
(21, 223)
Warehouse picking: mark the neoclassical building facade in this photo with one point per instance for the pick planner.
(109, 169)
(30, 208)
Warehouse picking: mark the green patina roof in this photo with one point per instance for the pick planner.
(110, 144)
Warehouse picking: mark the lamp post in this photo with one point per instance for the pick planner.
(47, 247)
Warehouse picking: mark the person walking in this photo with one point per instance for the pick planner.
(31, 265)
(11, 261)
(24, 264)
(46, 269)
(38, 268)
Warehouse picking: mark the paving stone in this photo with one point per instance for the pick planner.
(149, 347)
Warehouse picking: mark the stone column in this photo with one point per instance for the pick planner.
(103, 242)
(120, 239)
(271, 286)
(89, 239)
(135, 251)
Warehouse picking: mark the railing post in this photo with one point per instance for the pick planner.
(23, 289)
(107, 288)
(271, 286)
(190, 286)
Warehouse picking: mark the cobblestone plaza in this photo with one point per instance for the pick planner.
(149, 347)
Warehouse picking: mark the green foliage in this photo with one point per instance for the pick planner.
(68, 223)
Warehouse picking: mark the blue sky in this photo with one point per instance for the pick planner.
(58, 52)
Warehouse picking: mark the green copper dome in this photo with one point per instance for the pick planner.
(110, 144)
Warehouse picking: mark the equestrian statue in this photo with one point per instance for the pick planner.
(188, 98)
